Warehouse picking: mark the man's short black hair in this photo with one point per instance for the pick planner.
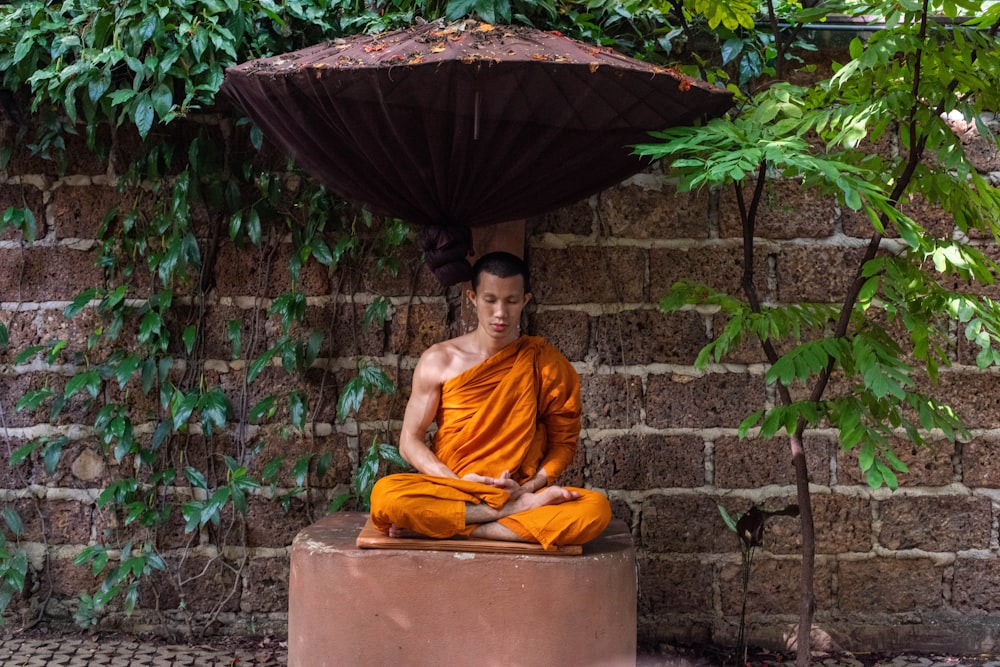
(501, 265)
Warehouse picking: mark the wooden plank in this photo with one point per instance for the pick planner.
(372, 538)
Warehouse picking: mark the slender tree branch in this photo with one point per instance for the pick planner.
(779, 60)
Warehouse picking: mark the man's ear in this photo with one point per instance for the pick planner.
(527, 297)
(470, 294)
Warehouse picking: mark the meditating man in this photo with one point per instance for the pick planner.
(507, 409)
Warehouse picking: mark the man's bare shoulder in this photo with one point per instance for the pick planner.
(443, 361)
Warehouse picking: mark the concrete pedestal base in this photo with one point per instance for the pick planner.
(351, 607)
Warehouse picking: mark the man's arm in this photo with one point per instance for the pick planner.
(425, 396)
(560, 412)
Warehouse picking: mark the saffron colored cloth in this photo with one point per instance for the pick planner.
(518, 411)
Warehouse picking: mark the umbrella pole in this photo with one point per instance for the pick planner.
(503, 236)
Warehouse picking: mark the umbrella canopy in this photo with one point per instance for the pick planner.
(457, 125)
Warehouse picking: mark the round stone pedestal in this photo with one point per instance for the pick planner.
(351, 607)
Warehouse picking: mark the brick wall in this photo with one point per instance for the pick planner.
(917, 568)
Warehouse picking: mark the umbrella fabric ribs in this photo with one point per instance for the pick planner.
(467, 124)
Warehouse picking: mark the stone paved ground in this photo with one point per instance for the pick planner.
(128, 652)
(116, 651)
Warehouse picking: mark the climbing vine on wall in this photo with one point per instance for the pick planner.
(139, 80)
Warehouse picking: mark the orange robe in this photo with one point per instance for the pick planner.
(518, 411)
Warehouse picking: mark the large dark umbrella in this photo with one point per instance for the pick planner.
(465, 124)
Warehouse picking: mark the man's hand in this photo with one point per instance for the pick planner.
(504, 482)
(509, 484)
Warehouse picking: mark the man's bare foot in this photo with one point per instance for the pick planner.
(398, 531)
(550, 495)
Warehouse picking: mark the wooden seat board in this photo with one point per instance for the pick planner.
(371, 537)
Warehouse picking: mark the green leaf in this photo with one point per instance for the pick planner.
(127, 368)
(144, 115)
(215, 408)
(270, 471)
(13, 521)
(297, 409)
(32, 399)
(52, 453)
(234, 329)
(391, 454)
(321, 251)
(265, 408)
(80, 301)
(728, 520)
(189, 336)
(162, 99)
(301, 470)
(181, 407)
(195, 477)
(89, 380)
(28, 354)
(350, 398)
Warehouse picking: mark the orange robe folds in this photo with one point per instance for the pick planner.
(518, 411)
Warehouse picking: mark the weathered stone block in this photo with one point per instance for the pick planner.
(67, 579)
(889, 585)
(416, 327)
(749, 351)
(719, 267)
(611, 401)
(786, 211)
(567, 330)
(714, 399)
(218, 345)
(843, 524)
(979, 468)
(577, 219)
(19, 475)
(255, 272)
(265, 586)
(686, 524)
(975, 587)
(23, 196)
(773, 586)
(936, 523)
(633, 211)
(269, 446)
(79, 408)
(269, 525)
(412, 278)
(43, 273)
(932, 217)
(653, 461)
(81, 465)
(76, 157)
(614, 274)
(820, 274)
(930, 465)
(575, 473)
(77, 211)
(22, 332)
(54, 326)
(380, 406)
(973, 396)
(674, 587)
(634, 337)
(210, 584)
(753, 462)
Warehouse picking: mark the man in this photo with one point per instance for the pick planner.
(507, 409)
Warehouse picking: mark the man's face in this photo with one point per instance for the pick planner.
(499, 302)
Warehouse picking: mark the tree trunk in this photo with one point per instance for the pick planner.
(807, 598)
